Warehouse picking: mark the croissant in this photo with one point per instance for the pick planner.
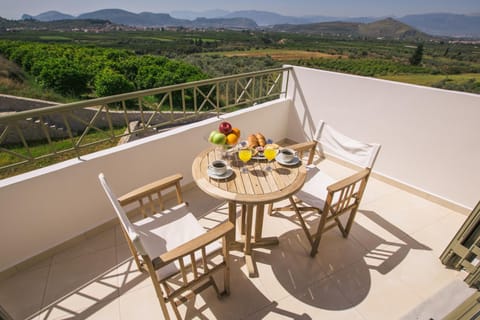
(261, 139)
(252, 141)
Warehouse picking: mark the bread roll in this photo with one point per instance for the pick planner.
(252, 141)
(261, 139)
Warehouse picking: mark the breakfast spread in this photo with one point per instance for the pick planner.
(257, 142)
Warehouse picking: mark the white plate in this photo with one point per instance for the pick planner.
(294, 161)
(259, 156)
(226, 175)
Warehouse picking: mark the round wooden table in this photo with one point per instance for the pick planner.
(252, 190)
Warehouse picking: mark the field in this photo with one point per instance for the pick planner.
(469, 82)
(71, 66)
(282, 54)
(429, 79)
(60, 146)
(444, 64)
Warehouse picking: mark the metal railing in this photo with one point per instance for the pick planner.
(30, 138)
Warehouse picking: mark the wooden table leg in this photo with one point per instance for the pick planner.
(248, 230)
(232, 217)
(252, 270)
(259, 241)
(259, 222)
(243, 215)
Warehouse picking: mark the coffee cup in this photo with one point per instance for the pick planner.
(286, 155)
(218, 167)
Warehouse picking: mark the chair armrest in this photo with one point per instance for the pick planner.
(308, 146)
(194, 244)
(337, 186)
(159, 185)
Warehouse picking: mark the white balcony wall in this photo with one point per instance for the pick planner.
(429, 141)
(44, 208)
(430, 137)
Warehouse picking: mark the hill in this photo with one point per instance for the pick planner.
(149, 19)
(446, 24)
(144, 19)
(438, 24)
(192, 15)
(265, 18)
(391, 28)
(49, 16)
(387, 28)
(58, 25)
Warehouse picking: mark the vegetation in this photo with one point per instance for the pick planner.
(417, 56)
(39, 149)
(78, 65)
(68, 66)
(78, 71)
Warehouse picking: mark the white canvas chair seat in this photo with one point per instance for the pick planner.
(314, 191)
(163, 232)
(170, 244)
(326, 196)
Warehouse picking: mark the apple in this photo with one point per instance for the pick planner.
(219, 138)
(210, 137)
(225, 127)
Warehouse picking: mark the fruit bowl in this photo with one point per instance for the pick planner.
(225, 137)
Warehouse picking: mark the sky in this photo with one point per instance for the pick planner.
(14, 9)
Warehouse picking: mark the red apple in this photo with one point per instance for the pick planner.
(225, 127)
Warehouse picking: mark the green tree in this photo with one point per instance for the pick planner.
(417, 56)
(109, 82)
(64, 77)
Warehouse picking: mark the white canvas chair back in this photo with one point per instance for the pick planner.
(326, 196)
(180, 256)
(332, 142)
(122, 216)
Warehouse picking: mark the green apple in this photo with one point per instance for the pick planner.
(210, 137)
(219, 138)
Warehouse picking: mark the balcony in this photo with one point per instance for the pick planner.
(63, 255)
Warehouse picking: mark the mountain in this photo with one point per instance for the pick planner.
(387, 28)
(48, 16)
(265, 18)
(391, 28)
(445, 24)
(148, 19)
(440, 24)
(192, 15)
(59, 25)
(230, 23)
(144, 19)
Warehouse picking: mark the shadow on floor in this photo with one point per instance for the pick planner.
(338, 278)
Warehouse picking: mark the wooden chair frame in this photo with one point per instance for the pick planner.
(194, 274)
(343, 197)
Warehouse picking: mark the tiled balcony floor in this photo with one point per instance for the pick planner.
(384, 270)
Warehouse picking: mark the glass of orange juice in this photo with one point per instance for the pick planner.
(269, 153)
(244, 154)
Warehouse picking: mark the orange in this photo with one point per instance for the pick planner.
(232, 139)
(236, 132)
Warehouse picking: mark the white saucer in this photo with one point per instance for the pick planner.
(294, 161)
(226, 175)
